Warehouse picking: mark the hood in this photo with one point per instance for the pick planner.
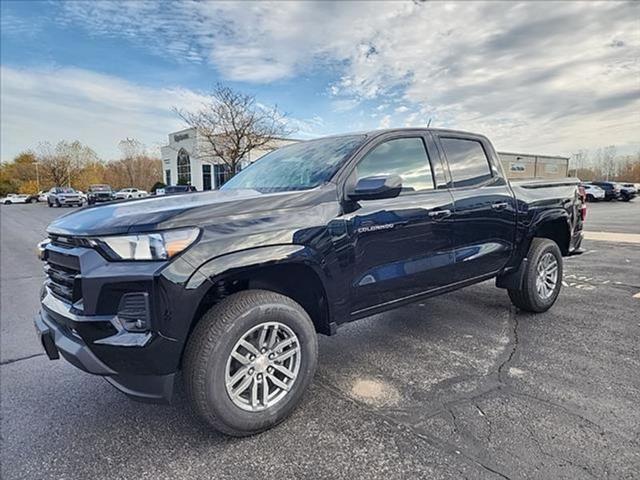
(173, 211)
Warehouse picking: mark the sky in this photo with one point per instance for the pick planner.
(541, 77)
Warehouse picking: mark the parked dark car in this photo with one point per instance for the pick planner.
(176, 189)
(64, 196)
(628, 191)
(611, 190)
(99, 193)
(230, 287)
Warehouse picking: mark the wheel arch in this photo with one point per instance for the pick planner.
(291, 270)
(556, 227)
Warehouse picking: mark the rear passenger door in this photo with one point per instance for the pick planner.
(484, 220)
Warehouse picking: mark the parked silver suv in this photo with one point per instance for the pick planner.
(63, 196)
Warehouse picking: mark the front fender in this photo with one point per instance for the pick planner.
(252, 258)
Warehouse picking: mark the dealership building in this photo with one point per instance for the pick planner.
(186, 161)
(531, 165)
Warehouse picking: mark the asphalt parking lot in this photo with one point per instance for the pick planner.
(459, 386)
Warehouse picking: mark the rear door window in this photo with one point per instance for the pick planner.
(468, 162)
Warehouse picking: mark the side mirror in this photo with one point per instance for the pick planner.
(376, 188)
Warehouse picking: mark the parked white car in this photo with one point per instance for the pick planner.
(130, 193)
(15, 198)
(43, 196)
(593, 192)
(83, 196)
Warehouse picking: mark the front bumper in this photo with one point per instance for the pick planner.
(62, 339)
(125, 321)
(70, 201)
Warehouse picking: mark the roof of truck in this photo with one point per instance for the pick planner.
(383, 131)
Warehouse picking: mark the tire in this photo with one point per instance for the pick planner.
(208, 362)
(590, 198)
(57, 203)
(7, 202)
(50, 204)
(529, 297)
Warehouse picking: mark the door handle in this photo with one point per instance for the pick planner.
(499, 205)
(437, 214)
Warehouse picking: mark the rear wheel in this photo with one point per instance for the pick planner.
(542, 278)
(590, 198)
(249, 361)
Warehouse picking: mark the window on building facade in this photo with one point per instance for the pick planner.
(167, 174)
(221, 174)
(184, 167)
(206, 176)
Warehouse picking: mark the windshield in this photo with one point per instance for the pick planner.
(299, 166)
(99, 188)
(67, 190)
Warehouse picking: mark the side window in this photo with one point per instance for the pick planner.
(406, 157)
(468, 161)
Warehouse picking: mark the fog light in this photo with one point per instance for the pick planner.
(133, 311)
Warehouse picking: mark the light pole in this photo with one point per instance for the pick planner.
(37, 176)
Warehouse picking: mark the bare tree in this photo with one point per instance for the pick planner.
(609, 164)
(63, 163)
(135, 169)
(232, 124)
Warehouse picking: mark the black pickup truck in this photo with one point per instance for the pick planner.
(226, 290)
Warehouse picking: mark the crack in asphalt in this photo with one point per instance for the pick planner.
(557, 457)
(14, 360)
(513, 319)
(490, 383)
(435, 442)
(489, 424)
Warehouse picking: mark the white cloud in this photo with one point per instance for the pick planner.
(385, 122)
(99, 110)
(534, 76)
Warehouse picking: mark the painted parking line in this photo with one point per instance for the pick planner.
(613, 237)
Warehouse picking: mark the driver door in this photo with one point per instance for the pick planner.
(402, 245)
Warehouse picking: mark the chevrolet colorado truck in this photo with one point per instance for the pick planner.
(224, 292)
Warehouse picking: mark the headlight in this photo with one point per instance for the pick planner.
(147, 246)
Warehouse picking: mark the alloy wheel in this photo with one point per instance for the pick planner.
(263, 366)
(547, 275)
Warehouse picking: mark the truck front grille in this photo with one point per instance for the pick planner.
(63, 282)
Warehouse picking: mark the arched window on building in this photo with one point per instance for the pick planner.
(184, 167)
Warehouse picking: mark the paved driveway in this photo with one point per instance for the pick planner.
(459, 386)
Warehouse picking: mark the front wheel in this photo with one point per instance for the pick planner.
(542, 278)
(249, 361)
